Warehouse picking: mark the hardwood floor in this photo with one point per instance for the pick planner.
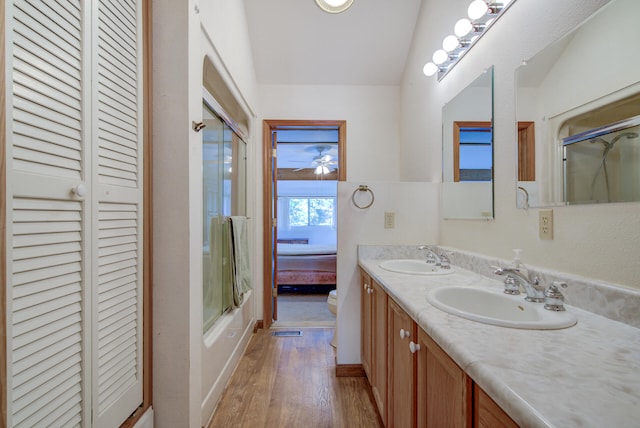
(291, 382)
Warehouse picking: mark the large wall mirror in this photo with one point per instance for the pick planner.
(578, 111)
(467, 152)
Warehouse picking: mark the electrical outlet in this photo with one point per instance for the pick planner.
(545, 224)
(389, 220)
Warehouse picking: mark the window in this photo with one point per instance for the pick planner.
(311, 211)
(473, 151)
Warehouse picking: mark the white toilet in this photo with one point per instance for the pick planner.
(332, 304)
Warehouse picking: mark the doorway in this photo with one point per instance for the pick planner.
(303, 162)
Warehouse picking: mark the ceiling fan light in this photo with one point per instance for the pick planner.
(334, 6)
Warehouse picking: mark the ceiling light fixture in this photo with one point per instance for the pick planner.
(482, 14)
(334, 6)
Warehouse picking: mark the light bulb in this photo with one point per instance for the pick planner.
(450, 43)
(463, 27)
(318, 170)
(440, 56)
(429, 69)
(334, 6)
(477, 9)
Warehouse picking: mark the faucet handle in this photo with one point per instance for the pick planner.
(553, 298)
(511, 286)
(431, 258)
(445, 263)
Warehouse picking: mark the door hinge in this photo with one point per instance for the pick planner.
(274, 291)
(274, 222)
(274, 153)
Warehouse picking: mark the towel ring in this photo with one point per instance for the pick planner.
(525, 202)
(362, 188)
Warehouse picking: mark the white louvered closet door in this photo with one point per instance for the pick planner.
(117, 209)
(74, 212)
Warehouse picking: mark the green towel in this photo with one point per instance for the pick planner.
(239, 258)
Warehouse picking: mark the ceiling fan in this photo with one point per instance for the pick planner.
(323, 162)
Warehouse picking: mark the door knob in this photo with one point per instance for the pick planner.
(80, 190)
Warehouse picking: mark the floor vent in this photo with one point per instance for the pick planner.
(287, 333)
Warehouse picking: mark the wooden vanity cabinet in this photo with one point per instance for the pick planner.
(444, 391)
(374, 340)
(420, 385)
(487, 414)
(401, 398)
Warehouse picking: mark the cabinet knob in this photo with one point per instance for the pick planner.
(413, 347)
(403, 333)
(365, 286)
(370, 290)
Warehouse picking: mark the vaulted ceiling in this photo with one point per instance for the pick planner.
(295, 42)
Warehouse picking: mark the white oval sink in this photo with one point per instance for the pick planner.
(497, 308)
(413, 267)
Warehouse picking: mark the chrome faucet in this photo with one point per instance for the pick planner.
(432, 257)
(535, 292)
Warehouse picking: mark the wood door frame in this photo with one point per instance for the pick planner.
(526, 151)
(268, 126)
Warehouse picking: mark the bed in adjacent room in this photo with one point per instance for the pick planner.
(303, 264)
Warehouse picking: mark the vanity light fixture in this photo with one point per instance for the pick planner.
(482, 14)
(334, 6)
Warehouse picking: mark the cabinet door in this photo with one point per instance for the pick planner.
(365, 322)
(487, 414)
(444, 390)
(379, 348)
(401, 394)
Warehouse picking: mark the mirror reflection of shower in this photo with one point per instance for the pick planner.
(602, 165)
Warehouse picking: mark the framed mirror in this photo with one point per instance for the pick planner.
(467, 151)
(576, 101)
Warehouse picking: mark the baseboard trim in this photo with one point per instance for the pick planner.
(349, 370)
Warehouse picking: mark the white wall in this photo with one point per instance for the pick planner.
(372, 114)
(184, 33)
(597, 241)
(416, 211)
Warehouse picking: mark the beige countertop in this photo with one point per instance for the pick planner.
(587, 375)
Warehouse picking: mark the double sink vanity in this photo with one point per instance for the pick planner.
(447, 347)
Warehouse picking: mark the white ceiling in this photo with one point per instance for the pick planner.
(295, 42)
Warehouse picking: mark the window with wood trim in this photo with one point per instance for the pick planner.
(472, 151)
